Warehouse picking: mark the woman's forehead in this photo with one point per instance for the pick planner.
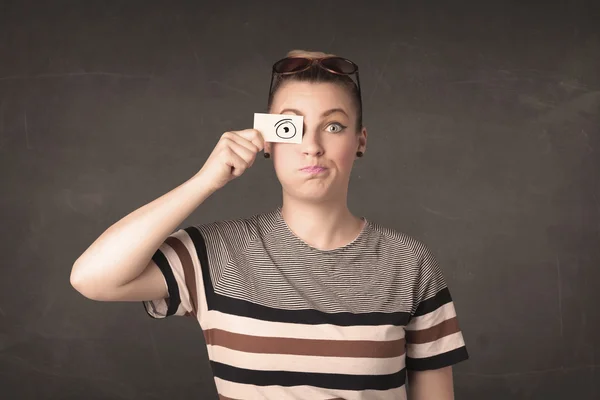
(311, 95)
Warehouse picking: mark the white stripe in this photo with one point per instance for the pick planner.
(433, 318)
(297, 363)
(252, 392)
(200, 291)
(255, 327)
(442, 345)
(177, 268)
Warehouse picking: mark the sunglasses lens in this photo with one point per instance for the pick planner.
(339, 65)
(288, 65)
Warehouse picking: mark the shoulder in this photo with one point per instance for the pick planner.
(396, 240)
(236, 229)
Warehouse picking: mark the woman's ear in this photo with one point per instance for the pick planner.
(267, 148)
(362, 140)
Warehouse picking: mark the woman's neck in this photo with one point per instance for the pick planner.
(325, 226)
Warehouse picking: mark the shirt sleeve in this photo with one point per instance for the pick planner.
(433, 336)
(178, 260)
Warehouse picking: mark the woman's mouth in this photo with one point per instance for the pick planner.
(313, 169)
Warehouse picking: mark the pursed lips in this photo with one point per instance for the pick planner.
(313, 169)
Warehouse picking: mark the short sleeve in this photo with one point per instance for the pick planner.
(178, 260)
(433, 336)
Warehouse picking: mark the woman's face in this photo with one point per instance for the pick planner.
(319, 168)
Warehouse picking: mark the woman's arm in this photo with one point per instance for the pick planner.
(436, 384)
(118, 266)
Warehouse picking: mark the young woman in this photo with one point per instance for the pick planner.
(307, 301)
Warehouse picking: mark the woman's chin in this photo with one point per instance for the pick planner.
(311, 191)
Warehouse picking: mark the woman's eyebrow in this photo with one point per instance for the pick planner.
(290, 110)
(333, 110)
(325, 114)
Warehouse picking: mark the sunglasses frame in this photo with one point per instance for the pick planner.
(319, 63)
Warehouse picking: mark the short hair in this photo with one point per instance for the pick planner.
(317, 74)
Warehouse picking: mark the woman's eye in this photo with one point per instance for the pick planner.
(335, 127)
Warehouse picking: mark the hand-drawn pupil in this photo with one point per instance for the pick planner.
(285, 129)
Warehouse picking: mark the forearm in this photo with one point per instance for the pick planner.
(122, 252)
(431, 385)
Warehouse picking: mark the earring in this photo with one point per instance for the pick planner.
(267, 155)
(359, 154)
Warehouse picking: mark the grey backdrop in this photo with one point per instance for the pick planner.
(484, 143)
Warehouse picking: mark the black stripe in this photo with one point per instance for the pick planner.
(245, 308)
(289, 378)
(439, 361)
(310, 317)
(174, 299)
(442, 297)
(200, 246)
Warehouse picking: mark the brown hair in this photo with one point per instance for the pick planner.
(318, 75)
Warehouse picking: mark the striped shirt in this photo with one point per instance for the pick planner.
(284, 320)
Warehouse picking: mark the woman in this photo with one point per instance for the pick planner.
(307, 301)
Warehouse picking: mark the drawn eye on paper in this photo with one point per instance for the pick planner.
(285, 128)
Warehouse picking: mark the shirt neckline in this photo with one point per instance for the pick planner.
(300, 241)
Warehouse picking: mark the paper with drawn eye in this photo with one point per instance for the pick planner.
(281, 128)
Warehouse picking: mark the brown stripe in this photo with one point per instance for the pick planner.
(221, 397)
(188, 270)
(306, 347)
(434, 333)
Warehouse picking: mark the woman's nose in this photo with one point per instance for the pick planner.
(311, 143)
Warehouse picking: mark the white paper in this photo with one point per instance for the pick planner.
(282, 128)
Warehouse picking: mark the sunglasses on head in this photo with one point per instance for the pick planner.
(333, 64)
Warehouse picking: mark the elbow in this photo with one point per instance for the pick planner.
(78, 282)
(83, 284)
